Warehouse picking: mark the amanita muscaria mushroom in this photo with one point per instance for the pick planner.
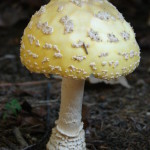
(74, 39)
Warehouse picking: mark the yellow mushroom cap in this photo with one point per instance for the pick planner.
(77, 38)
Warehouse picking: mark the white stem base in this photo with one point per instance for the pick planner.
(68, 133)
(59, 141)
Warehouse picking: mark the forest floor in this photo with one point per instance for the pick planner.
(115, 117)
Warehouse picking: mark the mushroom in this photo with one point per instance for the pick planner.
(74, 39)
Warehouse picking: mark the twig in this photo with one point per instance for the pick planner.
(32, 83)
(44, 103)
(85, 48)
(48, 106)
(19, 137)
(7, 57)
(29, 147)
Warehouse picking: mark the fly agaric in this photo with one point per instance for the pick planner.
(74, 39)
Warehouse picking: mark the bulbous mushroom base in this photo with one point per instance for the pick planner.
(59, 141)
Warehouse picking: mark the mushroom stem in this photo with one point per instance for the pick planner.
(69, 122)
(69, 126)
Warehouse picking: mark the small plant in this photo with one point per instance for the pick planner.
(12, 108)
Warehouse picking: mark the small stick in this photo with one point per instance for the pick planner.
(30, 147)
(85, 48)
(48, 106)
(23, 83)
(19, 137)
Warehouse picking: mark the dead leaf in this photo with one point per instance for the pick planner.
(122, 81)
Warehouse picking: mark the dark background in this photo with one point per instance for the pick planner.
(115, 117)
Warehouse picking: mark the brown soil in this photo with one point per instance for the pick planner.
(115, 117)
